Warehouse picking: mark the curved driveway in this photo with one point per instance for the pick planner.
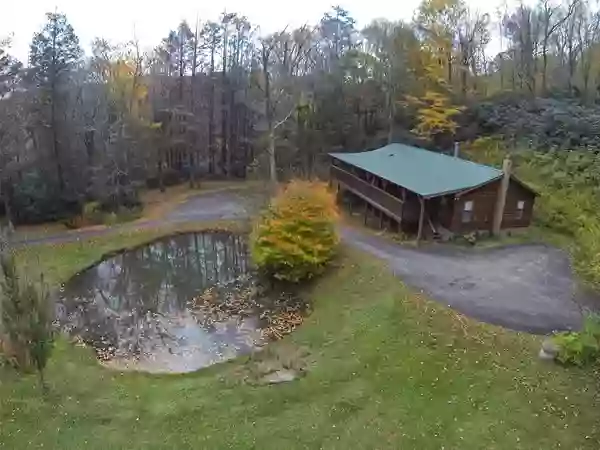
(528, 288)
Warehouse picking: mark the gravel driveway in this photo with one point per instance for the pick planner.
(528, 288)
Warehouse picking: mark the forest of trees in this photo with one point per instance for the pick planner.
(220, 99)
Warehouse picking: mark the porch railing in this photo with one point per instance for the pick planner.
(380, 199)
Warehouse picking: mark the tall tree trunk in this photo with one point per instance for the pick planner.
(192, 174)
(55, 140)
(572, 62)
(161, 139)
(224, 112)
(272, 161)
(244, 144)
(159, 168)
(463, 77)
(586, 67)
(6, 192)
(53, 120)
(181, 68)
(544, 71)
(194, 71)
(194, 156)
(391, 115)
(232, 138)
(234, 75)
(42, 381)
(269, 114)
(547, 33)
(211, 110)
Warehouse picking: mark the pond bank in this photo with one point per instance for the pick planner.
(178, 304)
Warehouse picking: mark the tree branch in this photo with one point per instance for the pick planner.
(284, 120)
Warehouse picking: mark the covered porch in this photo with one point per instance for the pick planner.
(393, 207)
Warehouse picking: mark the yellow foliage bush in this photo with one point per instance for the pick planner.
(296, 237)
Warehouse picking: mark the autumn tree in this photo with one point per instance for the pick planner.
(435, 116)
(126, 121)
(438, 23)
(390, 47)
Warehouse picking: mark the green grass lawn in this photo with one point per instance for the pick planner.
(386, 369)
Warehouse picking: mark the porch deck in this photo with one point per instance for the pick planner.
(373, 195)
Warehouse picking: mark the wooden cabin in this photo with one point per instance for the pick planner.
(433, 194)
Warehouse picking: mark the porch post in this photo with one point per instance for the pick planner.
(403, 204)
(421, 218)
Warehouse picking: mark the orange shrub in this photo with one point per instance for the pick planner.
(296, 237)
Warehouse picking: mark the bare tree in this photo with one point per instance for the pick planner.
(282, 56)
(473, 36)
(522, 27)
(211, 38)
(552, 18)
(588, 37)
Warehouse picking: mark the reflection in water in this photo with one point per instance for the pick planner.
(134, 307)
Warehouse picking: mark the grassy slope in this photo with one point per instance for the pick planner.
(388, 370)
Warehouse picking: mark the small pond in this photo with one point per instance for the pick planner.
(176, 305)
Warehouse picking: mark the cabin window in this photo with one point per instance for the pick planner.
(520, 209)
(467, 213)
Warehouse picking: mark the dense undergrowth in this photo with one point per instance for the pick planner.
(543, 123)
(568, 183)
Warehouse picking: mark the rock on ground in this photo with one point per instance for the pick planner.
(280, 376)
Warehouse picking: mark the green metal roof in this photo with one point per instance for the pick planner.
(426, 173)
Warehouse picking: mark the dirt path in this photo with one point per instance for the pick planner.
(213, 206)
(528, 288)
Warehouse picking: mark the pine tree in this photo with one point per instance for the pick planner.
(26, 331)
(54, 54)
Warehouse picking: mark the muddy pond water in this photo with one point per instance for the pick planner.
(176, 305)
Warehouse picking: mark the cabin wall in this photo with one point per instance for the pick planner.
(482, 216)
(484, 205)
(512, 218)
